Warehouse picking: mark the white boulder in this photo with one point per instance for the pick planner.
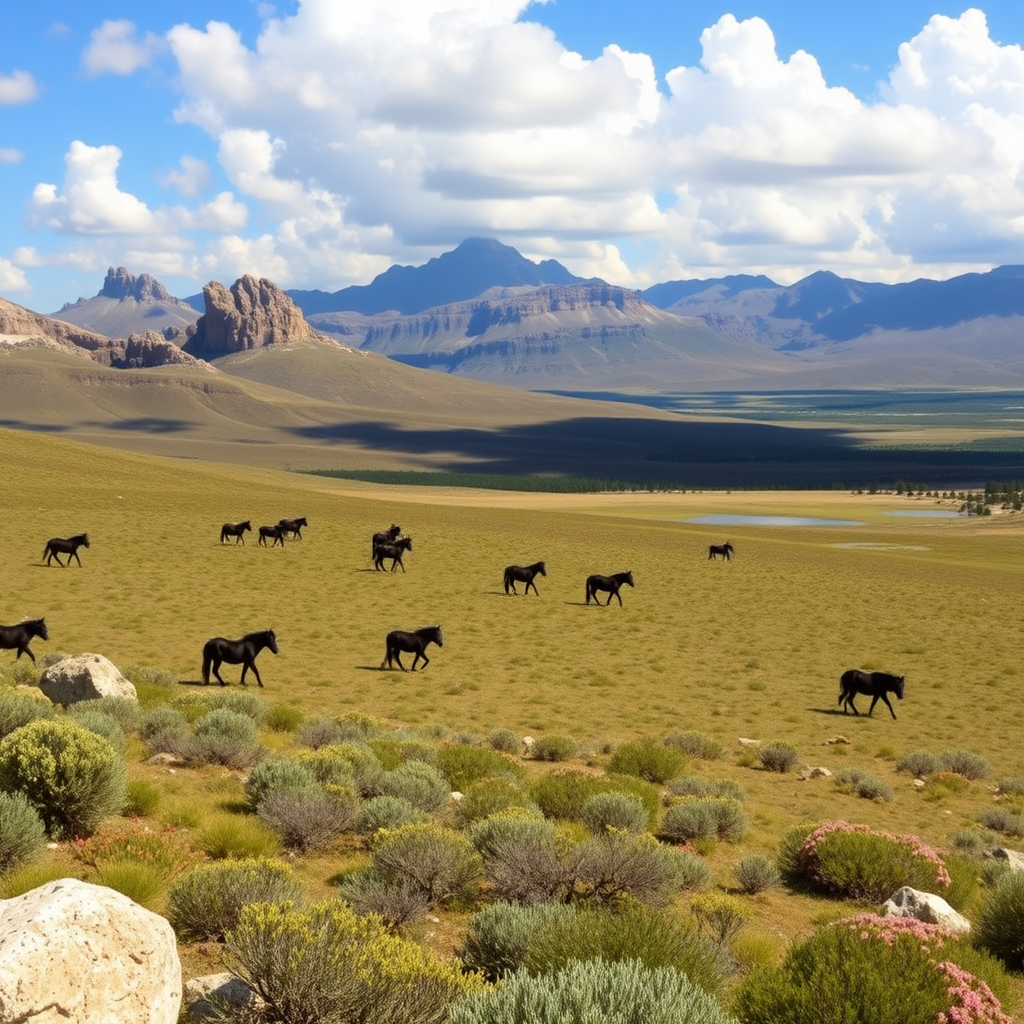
(75, 953)
(927, 907)
(1013, 858)
(84, 677)
(206, 997)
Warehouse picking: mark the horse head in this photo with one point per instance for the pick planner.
(627, 577)
(541, 569)
(271, 640)
(39, 626)
(436, 634)
(899, 686)
(85, 539)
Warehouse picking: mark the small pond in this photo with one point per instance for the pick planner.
(924, 513)
(740, 520)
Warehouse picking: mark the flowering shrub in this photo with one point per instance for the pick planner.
(164, 848)
(857, 861)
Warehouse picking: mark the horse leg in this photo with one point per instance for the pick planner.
(216, 672)
(77, 559)
(885, 697)
(398, 658)
(255, 671)
(421, 654)
(23, 649)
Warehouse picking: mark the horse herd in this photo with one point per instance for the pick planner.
(390, 544)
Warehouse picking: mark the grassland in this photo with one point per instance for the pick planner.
(751, 648)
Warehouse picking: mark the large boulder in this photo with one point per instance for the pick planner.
(927, 907)
(75, 953)
(1014, 858)
(84, 677)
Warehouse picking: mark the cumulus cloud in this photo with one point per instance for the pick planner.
(190, 178)
(115, 48)
(12, 278)
(17, 87)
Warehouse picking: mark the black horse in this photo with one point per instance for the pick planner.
(393, 551)
(234, 652)
(234, 530)
(523, 574)
(276, 532)
(57, 546)
(610, 583)
(726, 550)
(293, 526)
(18, 636)
(877, 684)
(415, 643)
(388, 536)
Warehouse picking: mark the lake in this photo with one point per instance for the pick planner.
(718, 519)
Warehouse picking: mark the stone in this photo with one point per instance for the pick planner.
(84, 677)
(815, 772)
(744, 742)
(205, 996)
(927, 907)
(144, 351)
(1013, 858)
(76, 953)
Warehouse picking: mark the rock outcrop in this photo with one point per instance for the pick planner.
(121, 284)
(142, 351)
(84, 677)
(75, 953)
(250, 314)
(927, 907)
(1014, 858)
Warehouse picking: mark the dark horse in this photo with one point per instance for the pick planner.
(877, 684)
(726, 550)
(234, 530)
(415, 642)
(19, 636)
(523, 574)
(388, 536)
(57, 546)
(610, 583)
(234, 652)
(277, 532)
(293, 526)
(392, 551)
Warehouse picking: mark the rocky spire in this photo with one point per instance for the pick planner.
(121, 284)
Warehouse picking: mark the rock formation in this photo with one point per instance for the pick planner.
(74, 953)
(927, 907)
(84, 677)
(120, 284)
(148, 350)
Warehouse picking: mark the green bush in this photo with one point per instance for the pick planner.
(605, 811)
(144, 883)
(964, 763)
(757, 874)
(505, 741)
(72, 777)
(222, 736)
(124, 710)
(397, 902)
(970, 842)
(1000, 928)
(859, 783)
(162, 719)
(18, 709)
(319, 732)
(441, 862)
(1011, 785)
(326, 964)
(21, 880)
(856, 861)
(308, 819)
(419, 783)
(919, 763)
(693, 785)
(346, 764)
(385, 812)
(233, 836)
(277, 774)
(227, 723)
(1002, 819)
(554, 748)
(647, 759)
(704, 818)
(720, 916)
(499, 936)
(462, 766)
(563, 793)
(100, 723)
(283, 718)
(206, 902)
(696, 744)
(238, 702)
(523, 857)
(489, 796)
(790, 859)
(592, 991)
(611, 869)
(142, 799)
(22, 834)
(778, 756)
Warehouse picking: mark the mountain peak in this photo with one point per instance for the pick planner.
(122, 284)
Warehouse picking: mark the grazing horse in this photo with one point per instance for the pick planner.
(610, 583)
(234, 530)
(277, 532)
(726, 550)
(415, 642)
(877, 684)
(293, 526)
(69, 546)
(523, 574)
(388, 536)
(392, 551)
(234, 652)
(18, 636)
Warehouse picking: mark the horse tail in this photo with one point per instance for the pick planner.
(206, 667)
(507, 575)
(45, 550)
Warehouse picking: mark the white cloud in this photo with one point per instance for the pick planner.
(193, 176)
(17, 87)
(12, 278)
(115, 48)
(11, 156)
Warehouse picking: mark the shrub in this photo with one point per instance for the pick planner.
(757, 874)
(719, 915)
(319, 732)
(442, 863)
(275, 775)
(522, 856)
(222, 736)
(124, 710)
(778, 756)
(283, 718)
(625, 992)
(165, 850)
(227, 723)
(607, 811)
(231, 836)
(142, 799)
(18, 709)
(206, 902)
(499, 936)
(72, 777)
(504, 740)
(100, 723)
(238, 702)
(162, 719)
(1012, 785)
(696, 744)
(395, 901)
(385, 812)
(325, 963)
(346, 764)
(308, 819)
(893, 971)
(489, 796)
(563, 793)
(693, 785)
(21, 880)
(144, 883)
(554, 748)
(1002, 819)
(705, 818)
(419, 783)
(790, 859)
(970, 842)
(462, 766)
(22, 833)
(647, 759)
(1000, 928)
(357, 727)
(919, 763)
(965, 764)
(855, 861)
(853, 780)
(992, 870)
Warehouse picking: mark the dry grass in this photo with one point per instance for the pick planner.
(751, 648)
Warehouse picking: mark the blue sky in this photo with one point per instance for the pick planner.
(316, 142)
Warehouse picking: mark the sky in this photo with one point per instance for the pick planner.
(318, 142)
